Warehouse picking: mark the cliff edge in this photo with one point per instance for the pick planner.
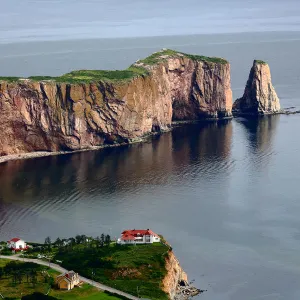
(175, 283)
(89, 108)
(259, 96)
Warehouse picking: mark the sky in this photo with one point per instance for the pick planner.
(36, 20)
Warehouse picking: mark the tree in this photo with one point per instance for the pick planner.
(98, 242)
(84, 239)
(58, 242)
(78, 239)
(48, 242)
(72, 242)
(102, 239)
(33, 277)
(107, 240)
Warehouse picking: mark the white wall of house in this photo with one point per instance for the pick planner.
(17, 245)
(146, 239)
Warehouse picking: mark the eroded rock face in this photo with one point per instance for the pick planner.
(259, 96)
(175, 283)
(174, 276)
(53, 116)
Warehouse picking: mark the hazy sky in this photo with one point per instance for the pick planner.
(69, 19)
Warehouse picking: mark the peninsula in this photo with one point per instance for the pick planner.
(146, 268)
(89, 109)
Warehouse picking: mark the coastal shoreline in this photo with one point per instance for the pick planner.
(38, 154)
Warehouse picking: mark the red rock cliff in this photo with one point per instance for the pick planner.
(62, 114)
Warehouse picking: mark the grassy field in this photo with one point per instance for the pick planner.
(137, 270)
(17, 290)
(86, 292)
(86, 76)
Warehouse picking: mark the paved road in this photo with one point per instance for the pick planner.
(62, 270)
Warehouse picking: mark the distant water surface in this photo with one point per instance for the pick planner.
(225, 195)
(44, 20)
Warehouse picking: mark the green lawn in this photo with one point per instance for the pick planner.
(3, 262)
(133, 269)
(16, 291)
(86, 292)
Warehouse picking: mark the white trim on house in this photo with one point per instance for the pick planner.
(132, 237)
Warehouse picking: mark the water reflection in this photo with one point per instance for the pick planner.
(261, 132)
(33, 190)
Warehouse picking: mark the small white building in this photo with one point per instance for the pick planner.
(130, 237)
(16, 244)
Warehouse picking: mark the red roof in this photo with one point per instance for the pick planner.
(137, 232)
(127, 237)
(14, 240)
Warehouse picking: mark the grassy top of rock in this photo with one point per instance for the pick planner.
(82, 76)
(260, 62)
(165, 54)
(140, 68)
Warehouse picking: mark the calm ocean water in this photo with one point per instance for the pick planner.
(226, 195)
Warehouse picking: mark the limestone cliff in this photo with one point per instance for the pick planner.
(175, 283)
(84, 109)
(259, 96)
(174, 275)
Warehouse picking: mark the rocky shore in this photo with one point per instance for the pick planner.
(175, 283)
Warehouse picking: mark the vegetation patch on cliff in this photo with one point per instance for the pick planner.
(95, 75)
(260, 62)
(168, 53)
(135, 70)
(137, 270)
(83, 76)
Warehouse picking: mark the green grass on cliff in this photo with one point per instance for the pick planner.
(261, 62)
(135, 70)
(95, 75)
(83, 76)
(9, 79)
(137, 270)
(166, 53)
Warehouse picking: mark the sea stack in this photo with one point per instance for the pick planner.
(259, 96)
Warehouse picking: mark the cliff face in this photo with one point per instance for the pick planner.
(259, 96)
(175, 274)
(57, 115)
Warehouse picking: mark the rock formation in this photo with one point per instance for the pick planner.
(175, 283)
(86, 109)
(259, 96)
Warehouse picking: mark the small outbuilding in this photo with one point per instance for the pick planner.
(67, 281)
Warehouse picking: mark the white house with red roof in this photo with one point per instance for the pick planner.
(16, 244)
(138, 236)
